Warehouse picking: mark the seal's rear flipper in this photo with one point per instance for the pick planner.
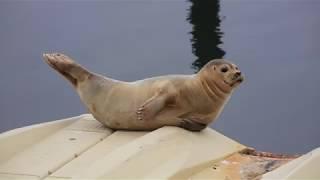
(67, 67)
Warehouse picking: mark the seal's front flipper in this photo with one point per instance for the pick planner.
(192, 125)
(152, 106)
(67, 67)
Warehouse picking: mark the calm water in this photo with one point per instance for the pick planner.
(275, 43)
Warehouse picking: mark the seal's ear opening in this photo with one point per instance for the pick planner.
(214, 67)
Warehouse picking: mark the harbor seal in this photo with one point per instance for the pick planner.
(187, 101)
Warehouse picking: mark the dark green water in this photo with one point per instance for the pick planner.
(275, 43)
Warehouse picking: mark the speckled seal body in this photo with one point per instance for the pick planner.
(187, 101)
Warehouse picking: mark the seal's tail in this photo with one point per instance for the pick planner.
(67, 67)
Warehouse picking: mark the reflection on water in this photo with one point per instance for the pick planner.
(206, 33)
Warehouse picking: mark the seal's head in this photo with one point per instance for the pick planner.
(222, 73)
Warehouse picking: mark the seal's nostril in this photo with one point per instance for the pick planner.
(238, 73)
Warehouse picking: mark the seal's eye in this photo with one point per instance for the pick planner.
(224, 69)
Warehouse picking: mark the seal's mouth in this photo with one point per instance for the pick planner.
(226, 82)
(235, 81)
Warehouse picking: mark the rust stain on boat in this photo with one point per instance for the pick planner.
(248, 164)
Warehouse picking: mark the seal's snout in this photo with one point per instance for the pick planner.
(238, 73)
(237, 77)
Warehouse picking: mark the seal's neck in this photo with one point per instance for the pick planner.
(212, 88)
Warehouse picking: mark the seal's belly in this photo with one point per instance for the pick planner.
(126, 118)
(118, 108)
(129, 120)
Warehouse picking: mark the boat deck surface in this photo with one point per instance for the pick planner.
(81, 148)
